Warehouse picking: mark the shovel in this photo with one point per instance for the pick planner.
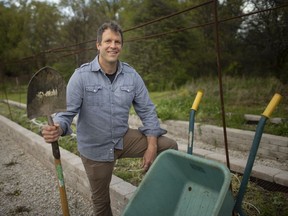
(47, 95)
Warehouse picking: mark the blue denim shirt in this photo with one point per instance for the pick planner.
(103, 109)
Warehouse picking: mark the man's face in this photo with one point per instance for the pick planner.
(110, 46)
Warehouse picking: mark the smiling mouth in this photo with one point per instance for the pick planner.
(112, 53)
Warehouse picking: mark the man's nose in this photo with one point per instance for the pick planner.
(113, 44)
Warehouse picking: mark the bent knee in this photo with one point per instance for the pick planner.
(165, 143)
(174, 145)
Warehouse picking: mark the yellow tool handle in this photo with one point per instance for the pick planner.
(272, 105)
(197, 100)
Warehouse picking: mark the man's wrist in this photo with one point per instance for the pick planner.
(152, 141)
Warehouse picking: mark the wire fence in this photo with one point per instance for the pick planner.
(70, 52)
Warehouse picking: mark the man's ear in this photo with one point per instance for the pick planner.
(97, 45)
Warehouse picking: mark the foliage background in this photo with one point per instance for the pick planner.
(171, 43)
(34, 34)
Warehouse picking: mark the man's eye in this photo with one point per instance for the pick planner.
(109, 42)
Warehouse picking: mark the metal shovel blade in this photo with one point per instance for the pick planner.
(46, 93)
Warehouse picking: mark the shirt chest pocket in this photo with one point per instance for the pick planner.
(94, 95)
(126, 94)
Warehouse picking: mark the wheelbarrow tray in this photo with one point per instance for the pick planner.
(181, 184)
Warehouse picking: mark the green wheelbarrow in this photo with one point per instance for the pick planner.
(181, 184)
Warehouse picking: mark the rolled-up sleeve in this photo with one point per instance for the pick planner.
(146, 110)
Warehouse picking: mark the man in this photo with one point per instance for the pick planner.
(101, 93)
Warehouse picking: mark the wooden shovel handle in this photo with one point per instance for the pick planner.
(62, 190)
(55, 150)
(59, 170)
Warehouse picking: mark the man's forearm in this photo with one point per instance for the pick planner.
(152, 142)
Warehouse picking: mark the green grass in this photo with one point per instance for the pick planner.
(14, 92)
(258, 201)
(241, 96)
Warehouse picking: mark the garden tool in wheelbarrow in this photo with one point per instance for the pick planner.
(181, 184)
(47, 95)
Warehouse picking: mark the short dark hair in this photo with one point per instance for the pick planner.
(109, 25)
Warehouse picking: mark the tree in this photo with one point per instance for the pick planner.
(230, 45)
(28, 31)
(12, 25)
(265, 38)
(159, 59)
(43, 30)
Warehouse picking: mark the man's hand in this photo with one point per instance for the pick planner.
(150, 154)
(51, 133)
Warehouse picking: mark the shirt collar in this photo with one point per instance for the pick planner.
(96, 66)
